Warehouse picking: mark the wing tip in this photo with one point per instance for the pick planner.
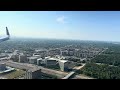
(7, 31)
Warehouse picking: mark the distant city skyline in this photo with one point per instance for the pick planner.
(76, 25)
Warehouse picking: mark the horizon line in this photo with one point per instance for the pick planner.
(61, 39)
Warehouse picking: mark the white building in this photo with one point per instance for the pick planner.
(66, 65)
(40, 61)
(51, 61)
(33, 60)
(16, 52)
(36, 55)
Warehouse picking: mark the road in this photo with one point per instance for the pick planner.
(26, 66)
(82, 77)
(73, 72)
(78, 68)
(18, 65)
(59, 74)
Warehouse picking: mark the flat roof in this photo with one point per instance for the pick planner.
(39, 59)
(63, 61)
(33, 57)
(53, 59)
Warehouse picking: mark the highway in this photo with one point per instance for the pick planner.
(26, 66)
(60, 74)
(18, 65)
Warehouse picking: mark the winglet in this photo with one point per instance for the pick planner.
(7, 32)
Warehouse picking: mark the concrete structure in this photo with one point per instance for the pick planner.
(69, 75)
(71, 53)
(33, 60)
(66, 65)
(51, 61)
(53, 52)
(40, 61)
(3, 55)
(16, 52)
(33, 74)
(73, 72)
(23, 58)
(42, 53)
(26, 66)
(64, 53)
(36, 55)
(2, 67)
(5, 58)
(14, 58)
(60, 57)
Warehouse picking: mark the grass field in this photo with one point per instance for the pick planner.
(14, 74)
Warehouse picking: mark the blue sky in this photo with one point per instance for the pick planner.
(80, 25)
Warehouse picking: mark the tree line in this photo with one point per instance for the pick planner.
(101, 71)
(111, 56)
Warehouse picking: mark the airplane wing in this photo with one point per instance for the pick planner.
(7, 32)
(5, 38)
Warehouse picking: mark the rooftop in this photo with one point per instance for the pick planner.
(63, 61)
(33, 57)
(53, 59)
(39, 59)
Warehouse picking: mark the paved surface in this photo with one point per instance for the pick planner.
(82, 77)
(73, 72)
(60, 74)
(78, 68)
(69, 75)
(26, 66)
(18, 65)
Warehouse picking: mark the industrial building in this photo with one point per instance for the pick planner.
(64, 53)
(60, 57)
(42, 53)
(54, 52)
(40, 61)
(3, 55)
(2, 67)
(36, 55)
(23, 58)
(33, 74)
(14, 58)
(16, 52)
(51, 61)
(33, 60)
(66, 65)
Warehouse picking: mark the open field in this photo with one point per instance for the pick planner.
(14, 74)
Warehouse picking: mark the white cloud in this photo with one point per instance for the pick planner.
(61, 19)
